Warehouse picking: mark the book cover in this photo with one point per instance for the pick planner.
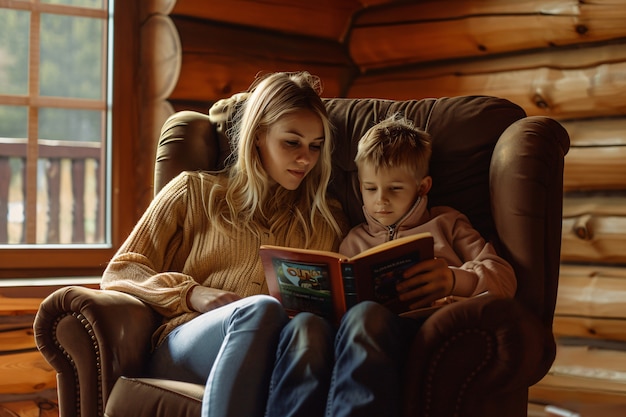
(328, 283)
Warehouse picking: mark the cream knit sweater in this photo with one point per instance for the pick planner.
(174, 247)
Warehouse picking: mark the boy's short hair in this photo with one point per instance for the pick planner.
(395, 142)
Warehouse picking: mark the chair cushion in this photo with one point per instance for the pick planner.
(150, 397)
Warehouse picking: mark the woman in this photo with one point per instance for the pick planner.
(193, 256)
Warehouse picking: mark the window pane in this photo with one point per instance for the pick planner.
(74, 125)
(95, 4)
(53, 171)
(14, 27)
(13, 122)
(71, 57)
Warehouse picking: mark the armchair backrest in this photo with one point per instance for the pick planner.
(502, 169)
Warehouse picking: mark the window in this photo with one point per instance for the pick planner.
(56, 123)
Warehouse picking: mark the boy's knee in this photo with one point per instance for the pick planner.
(307, 330)
(308, 339)
(367, 313)
(368, 321)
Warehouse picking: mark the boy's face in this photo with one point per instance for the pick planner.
(389, 193)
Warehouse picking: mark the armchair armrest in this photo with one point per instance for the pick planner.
(473, 357)
(91, 337)
(526, 185)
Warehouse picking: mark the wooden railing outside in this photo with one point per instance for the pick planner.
(80, 162)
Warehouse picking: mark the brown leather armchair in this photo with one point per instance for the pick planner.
(475, 358)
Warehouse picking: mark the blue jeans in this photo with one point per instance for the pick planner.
(230, 350)
(355, 372)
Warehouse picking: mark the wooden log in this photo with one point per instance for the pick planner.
(17, 340)
(590, 327)
(592, 363)
(595, 168)
(599, 203)
(568, 390)
(594, 229)
(152, 7)
(583, 374)
(10, 306)
(592, 291)
(220, 60)
(596, 132)
(161, 55)
(565, 83)
(597, 157)
(327, 19)
(417, 32)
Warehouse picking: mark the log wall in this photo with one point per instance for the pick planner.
(565, 59)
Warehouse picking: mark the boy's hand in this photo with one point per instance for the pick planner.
(203, 299)
(425, 283)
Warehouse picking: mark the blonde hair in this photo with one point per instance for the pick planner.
(395, 142)
(248, 201)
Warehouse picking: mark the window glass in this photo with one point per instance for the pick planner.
(14, 39)
(14, 121)
(71, 57)
(54, 115)
(71, 124)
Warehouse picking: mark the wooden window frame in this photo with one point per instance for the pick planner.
(66, 261)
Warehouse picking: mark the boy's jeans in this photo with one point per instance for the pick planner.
(353, 373)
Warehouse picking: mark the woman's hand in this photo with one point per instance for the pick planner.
(425, 283)
(203, 299)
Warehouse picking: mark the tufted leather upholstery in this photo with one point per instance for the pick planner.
(476, 358)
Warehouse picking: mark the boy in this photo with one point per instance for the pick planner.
(392, 160)
(356, 369)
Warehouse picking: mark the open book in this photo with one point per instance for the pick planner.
(328, 283)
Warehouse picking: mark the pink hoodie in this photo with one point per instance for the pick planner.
(476, 264)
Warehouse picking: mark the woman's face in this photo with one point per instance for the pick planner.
(291, 147)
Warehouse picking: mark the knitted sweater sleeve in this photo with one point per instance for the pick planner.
(144, 266)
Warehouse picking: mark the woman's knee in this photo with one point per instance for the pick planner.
(262, 311)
